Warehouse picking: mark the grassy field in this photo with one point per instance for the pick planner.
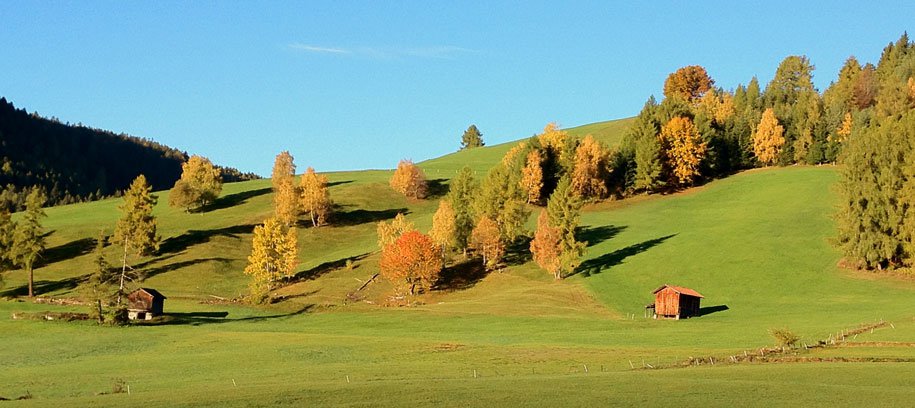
(755, 244)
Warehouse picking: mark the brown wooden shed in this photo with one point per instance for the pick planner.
(144, 304)
(676, 302)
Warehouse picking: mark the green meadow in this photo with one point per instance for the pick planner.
(756, 245)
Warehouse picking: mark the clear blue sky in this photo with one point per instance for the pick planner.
(352, 85)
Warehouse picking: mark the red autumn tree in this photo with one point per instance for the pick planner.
(413, 260)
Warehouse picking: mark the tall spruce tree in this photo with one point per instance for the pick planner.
(135, 231)
(461, 195)
(564, 211)
(28, 238)
(472, 138)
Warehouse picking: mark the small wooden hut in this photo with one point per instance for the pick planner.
(144, 304)
(675, 302)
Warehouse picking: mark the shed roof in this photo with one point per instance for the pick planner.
(681, 290)
(152, 292)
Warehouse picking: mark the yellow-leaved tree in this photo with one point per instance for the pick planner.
(274, 255)
(388, 232)
(844, 131)
(556, 141)
(315, 197)
(688, 83)
(768, 138)
(409, 180)
(444, 227)
(285, 193)
(487, 241)
(592, 168)
(546, 245)
(199, 185)
(532, 176)
(685, 149)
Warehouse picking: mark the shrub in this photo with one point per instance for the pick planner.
(784, 337)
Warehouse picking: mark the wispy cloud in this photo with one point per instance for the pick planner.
(313, 48)
(433, 52)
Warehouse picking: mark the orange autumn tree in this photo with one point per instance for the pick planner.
(689, 83)
(592, 168)
(685, 149)
(487, 241)
(546, 245)
(412, 260)
(409, 180)
(768, 138)
(532, 176)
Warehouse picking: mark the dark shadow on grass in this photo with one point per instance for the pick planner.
(195, 237)
(519, 252)
(66, 251)
(46, 286)
(712, 309)
(320, 270)
(201, 318)
(337, 183)
(596, 235)
(461, 276)
(436, 188)
(359, 216)
(597, 265)
(232, 200)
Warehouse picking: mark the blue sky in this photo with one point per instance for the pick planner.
(353, 85)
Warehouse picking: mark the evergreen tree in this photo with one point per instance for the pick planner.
(502, 201)
(461, 194)
(135, 231)
(7, 229)
(98, 290)
(274, 256)
(564, 211)
(28, 238)
(472, 138)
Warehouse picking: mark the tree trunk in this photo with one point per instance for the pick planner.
(31, 279)
(123, 273)
(412, 289)
(101, 319)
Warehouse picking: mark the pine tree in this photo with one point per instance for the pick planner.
(649, 170)
(768, 138)
(502, 201)
(592, 168)
(315, 197)
(472, 138)
(409, 180)
(136, 230)
(28, 238)
(99, 291)
(487, 240)
(199, 185)
(274, 256)
(685, 149)
(412, 259)
(564, 210)
(532, 176)
(461, 194)
(7, 229)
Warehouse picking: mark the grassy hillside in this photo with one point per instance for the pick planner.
(756, 245)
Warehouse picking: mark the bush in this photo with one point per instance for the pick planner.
(784, 337)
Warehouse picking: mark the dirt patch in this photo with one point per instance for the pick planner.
(446, 347)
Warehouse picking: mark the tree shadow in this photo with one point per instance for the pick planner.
(461, 276)
(596, 235)
(320, 270)
(712, 309)
(66, 251)
(201, 318)
(436, 188)
(232, 200)
(597, 265)
(195, 237)
(149, 273)
(360, 216)
(337, 183)
(46, 286)
(519, 252)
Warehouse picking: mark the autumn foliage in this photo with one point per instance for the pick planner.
(768, 138)
(689, 83)
(487, 241)
(532, 176)
(413, 259)
(315, 197)
(591, 169)
(546, 245)
(199, 185)
(273, 257)
(285, 194)
(685, 149)
(409, 180)
(388, 232)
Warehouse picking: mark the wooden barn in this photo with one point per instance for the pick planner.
(144, 304)
(675, 302)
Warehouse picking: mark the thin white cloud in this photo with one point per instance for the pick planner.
(434, 52)
(314, 48)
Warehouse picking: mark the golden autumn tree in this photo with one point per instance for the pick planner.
(315, 197)
(413, 259)
(512, 153)
(688, 83)
(844, 130)
(556, 142)
(444, 227)
(274, 255)
(388, 232)
(135, 231)
(684, 147)
(285, 193)
(546, 245)
(532, 176)
(409, 180)
(768, 138)
(487, 241)
(199, 185)
(592, 168)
